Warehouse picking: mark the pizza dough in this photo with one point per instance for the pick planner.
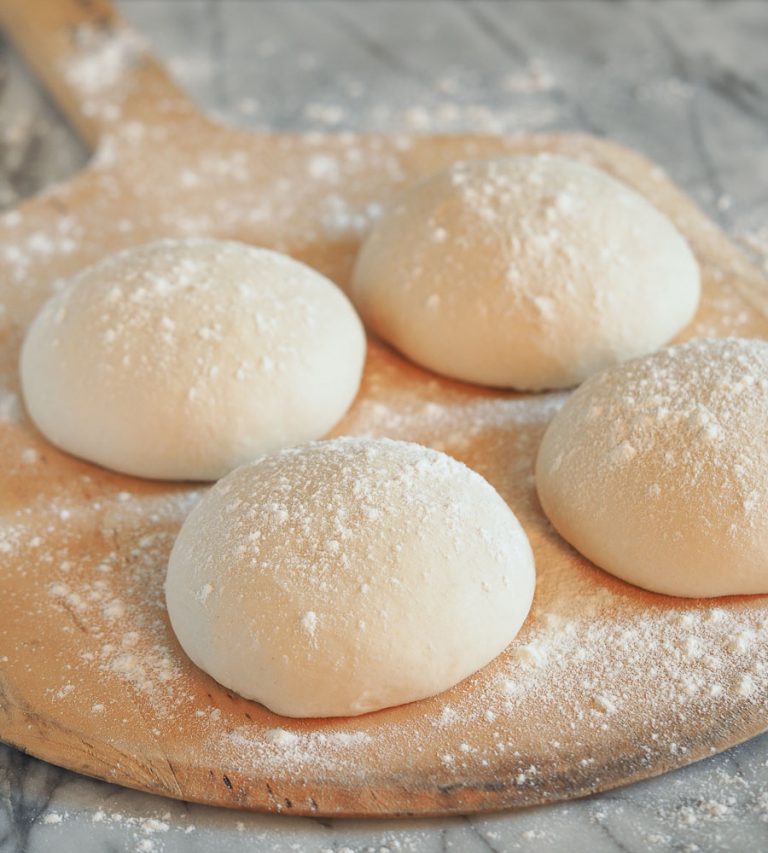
(183, 359)
(346, 576)
(524, 272)
(657, 470)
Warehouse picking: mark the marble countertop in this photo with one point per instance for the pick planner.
(684, 82)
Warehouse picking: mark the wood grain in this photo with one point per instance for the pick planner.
(162, 735)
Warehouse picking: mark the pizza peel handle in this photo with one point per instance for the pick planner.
(98, 69)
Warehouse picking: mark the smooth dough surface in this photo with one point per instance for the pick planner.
(524, 272)
(348, 575)
(183, 359)
(657, 470)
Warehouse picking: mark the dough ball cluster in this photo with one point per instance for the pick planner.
(657, 470)
(524, 272)
(348, 575)
(183, 359)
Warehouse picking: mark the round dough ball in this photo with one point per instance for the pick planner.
(347, 576)
(183, 359)
(657, 470)
(524, 272)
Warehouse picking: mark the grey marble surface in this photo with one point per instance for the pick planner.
(684, 82)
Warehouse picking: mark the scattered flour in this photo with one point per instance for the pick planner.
(597, 664)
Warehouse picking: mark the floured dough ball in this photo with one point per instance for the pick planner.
(347, 576)
(657, 470)
(183, 359)
(524, 272)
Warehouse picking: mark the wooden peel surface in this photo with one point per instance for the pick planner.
(605, 685)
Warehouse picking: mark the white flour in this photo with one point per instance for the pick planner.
(604, 679)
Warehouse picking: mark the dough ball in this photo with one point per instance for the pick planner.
(183, 359)
(348, 575)
(524, 272)
(657, 470)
